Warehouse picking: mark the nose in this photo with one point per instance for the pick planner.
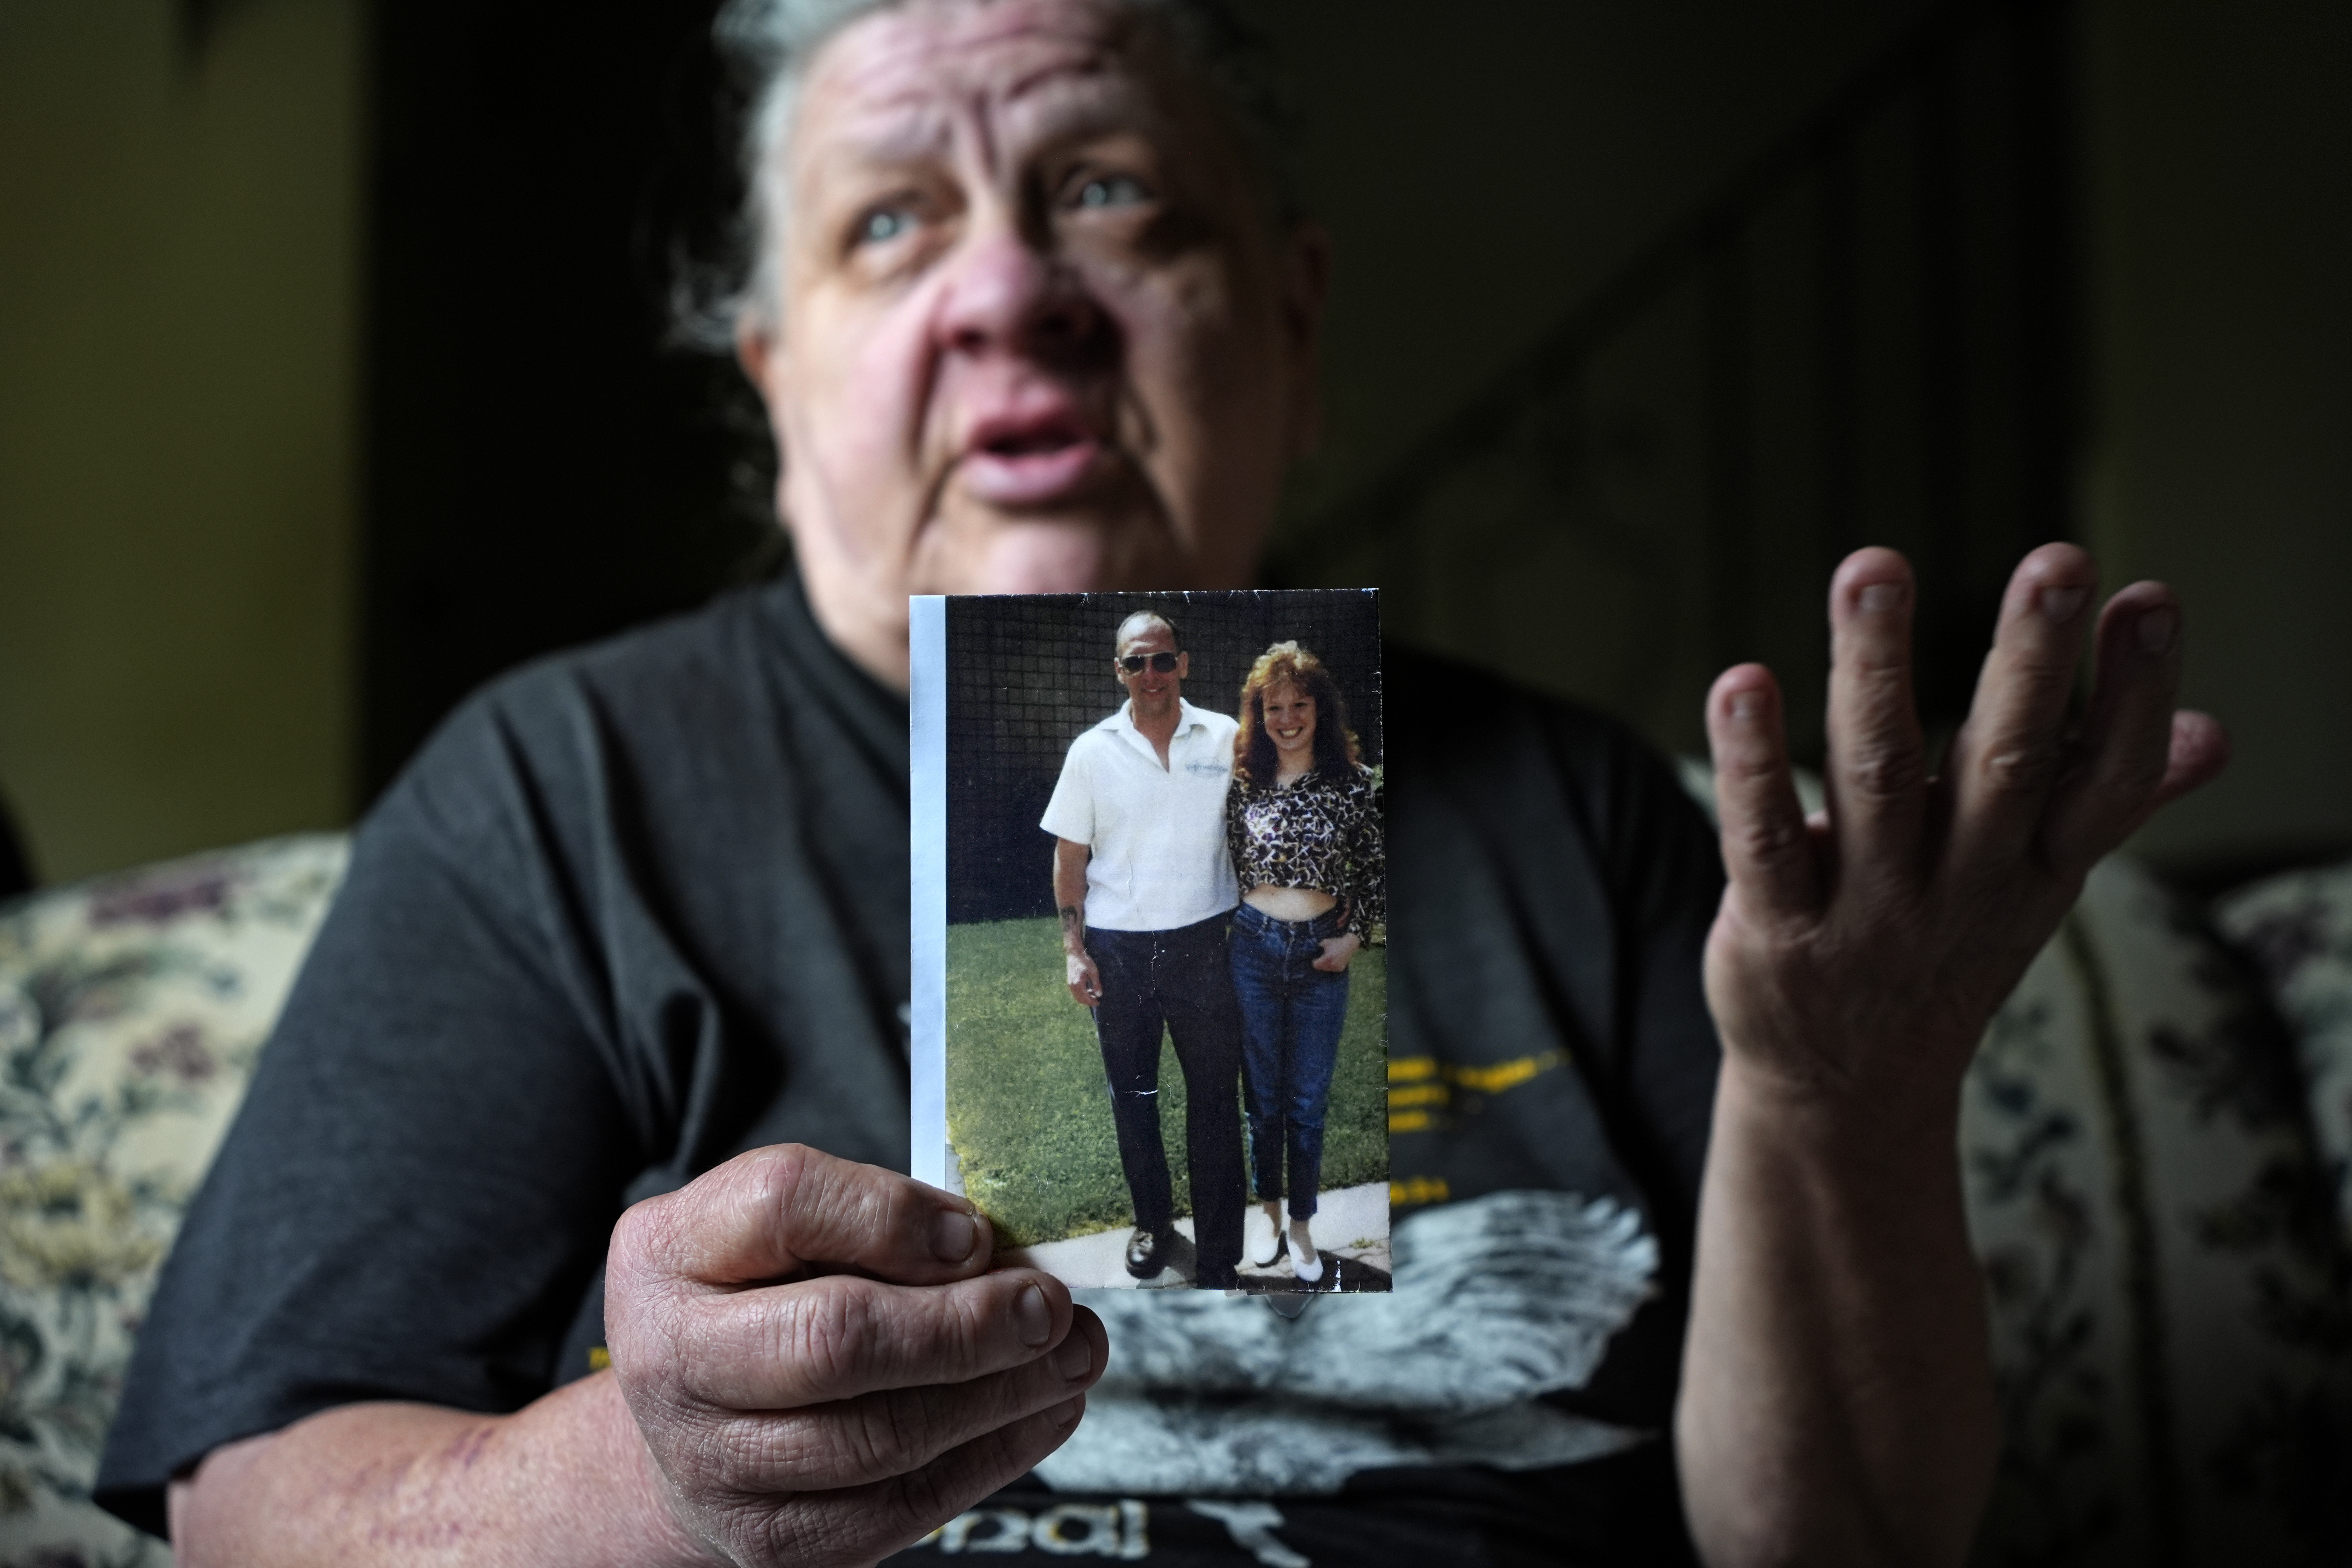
(1005, 296)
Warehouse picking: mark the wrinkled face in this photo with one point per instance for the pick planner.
(1154, 693)
(1289, 717)
(1034, 334)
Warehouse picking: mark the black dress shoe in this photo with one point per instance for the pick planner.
(1143, 1254)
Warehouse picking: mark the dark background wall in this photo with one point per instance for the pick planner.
(2220, 459)
(542, 465)
(1868, 329)
(1027, 677)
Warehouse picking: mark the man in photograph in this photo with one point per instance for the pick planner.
(1144, 888)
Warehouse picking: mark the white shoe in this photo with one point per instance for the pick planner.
(1303, 1259)
(1261, 1237)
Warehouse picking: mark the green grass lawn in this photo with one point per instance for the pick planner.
(1029, 1111)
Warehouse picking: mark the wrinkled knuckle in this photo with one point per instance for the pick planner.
(1749, 767)
(795, 1451)
(2022, 770)
(885, 1438)
(917, 1500)
(1772, 840)
(737, 1454)
(2044, 662)
(971, 1327)
(785, 1452)
(1887, 773)
(830, 1336)
(1882, 671)
(703, 1452)
(782, 1178)
(650, 1331)
(645, 1241)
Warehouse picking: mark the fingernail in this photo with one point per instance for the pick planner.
(953, 1236)
(1880, 597)
(1074, 1358)
(1747, 705)
(2062, 604)
(1032, 1319)
(2157, 627)
(1068, 1412)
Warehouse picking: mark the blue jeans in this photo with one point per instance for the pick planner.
(1291, 1014)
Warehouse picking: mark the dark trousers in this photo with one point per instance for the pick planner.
(1182, 979)
(1292, 1017)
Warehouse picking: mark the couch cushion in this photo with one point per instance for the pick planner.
(2170, 1310)
(132, 1010)
(2298, 929)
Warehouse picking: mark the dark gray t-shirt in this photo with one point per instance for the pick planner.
(639, 908)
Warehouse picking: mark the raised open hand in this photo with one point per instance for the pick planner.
(1837, 1405)
(1864, 951)
(821, 1362)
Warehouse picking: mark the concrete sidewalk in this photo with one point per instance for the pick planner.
(1352, 1223)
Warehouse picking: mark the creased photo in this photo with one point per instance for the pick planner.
(1150, 933)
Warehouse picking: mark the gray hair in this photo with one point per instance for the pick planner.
(768, 44)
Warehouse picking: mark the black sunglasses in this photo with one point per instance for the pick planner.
(1160, 663)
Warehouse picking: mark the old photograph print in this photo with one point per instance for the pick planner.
(1151, 928)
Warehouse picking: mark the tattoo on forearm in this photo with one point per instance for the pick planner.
(1074, 928)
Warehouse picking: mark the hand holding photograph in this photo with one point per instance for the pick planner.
(1148, 1022)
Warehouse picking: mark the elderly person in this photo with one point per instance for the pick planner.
(628, 943)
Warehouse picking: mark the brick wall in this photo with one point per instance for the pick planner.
(1027, 676)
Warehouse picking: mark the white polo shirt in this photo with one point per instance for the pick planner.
(1158, 834)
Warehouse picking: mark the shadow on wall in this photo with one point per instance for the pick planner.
(1866, 336)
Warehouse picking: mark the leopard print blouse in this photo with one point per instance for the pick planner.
(1314, 832)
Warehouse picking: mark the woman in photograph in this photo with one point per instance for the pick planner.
(1303, 820)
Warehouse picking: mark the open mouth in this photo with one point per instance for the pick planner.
(1055, 435)
(1030, 461)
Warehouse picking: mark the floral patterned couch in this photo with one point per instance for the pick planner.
(2157, 1138)
(132, 1010)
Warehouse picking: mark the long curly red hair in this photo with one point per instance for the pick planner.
(1336, 752)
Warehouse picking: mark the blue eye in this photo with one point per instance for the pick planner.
(885, 224)
(1111, 191)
